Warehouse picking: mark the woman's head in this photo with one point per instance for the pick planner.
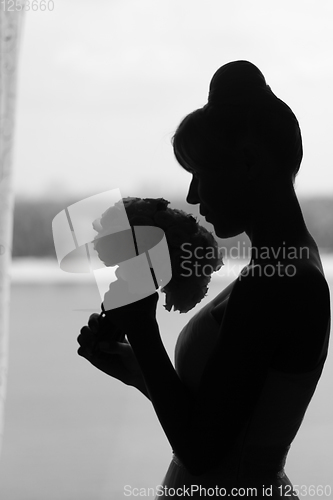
(242, 113)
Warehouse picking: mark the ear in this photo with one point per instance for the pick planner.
(252, 160)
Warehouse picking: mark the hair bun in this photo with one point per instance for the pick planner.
(236, 79)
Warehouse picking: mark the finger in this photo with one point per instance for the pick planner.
(87, 338)
(98, 358)
(94, 315)
(94, 323)
(83, 352)
(91, 355)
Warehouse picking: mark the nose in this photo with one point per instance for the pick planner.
(192, 197)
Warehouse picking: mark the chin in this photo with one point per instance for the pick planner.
(227, 232)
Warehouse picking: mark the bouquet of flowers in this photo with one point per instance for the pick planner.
(193, 250)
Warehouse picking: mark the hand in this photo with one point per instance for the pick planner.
(131, 315)
(116, 359)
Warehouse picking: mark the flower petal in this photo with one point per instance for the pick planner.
(183, 291)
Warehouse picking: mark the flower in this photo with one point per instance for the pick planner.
(194, 252)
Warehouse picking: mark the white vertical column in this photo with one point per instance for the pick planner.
(10, 30)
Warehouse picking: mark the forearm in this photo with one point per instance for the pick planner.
(172, 401)
(140, 384)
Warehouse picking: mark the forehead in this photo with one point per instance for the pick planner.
(193, 168)
(201, 171)
(186, 158)
(211, 164)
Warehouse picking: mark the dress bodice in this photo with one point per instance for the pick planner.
(280, 408)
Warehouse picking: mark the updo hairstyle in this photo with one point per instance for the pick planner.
(241, 109)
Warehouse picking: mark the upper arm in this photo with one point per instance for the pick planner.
(236, 372)
(250, 330)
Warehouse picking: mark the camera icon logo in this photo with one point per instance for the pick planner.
(140, 252)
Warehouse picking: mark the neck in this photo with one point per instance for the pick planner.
(277, 229)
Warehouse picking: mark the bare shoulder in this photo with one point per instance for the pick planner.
(296, 297)
(292, 292)
(305, 276)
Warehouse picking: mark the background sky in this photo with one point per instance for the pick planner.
(103, 85)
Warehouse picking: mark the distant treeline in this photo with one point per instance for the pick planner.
(32, 233)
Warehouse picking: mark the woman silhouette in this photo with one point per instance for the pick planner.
(247, 364)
